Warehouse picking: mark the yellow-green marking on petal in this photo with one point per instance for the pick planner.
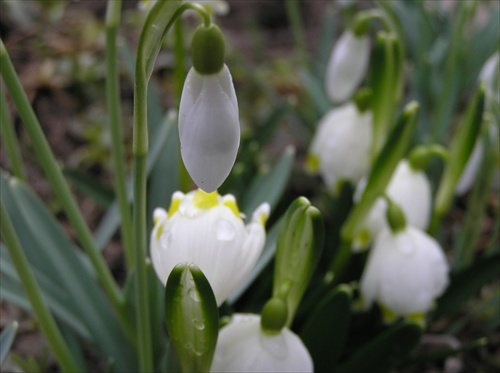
(205, 201)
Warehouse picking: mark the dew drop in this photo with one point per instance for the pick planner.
(193, 294)
(198, 324)
(188, 346)
(225, 230)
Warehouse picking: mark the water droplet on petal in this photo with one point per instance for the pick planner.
(198, 324)
(225, 230)
(193, 294)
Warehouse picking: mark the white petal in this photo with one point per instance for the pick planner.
(242, 347)
(347, 66)
(342, 145)
(408, 188)
(213, 237)
(405, 272)
(209, 128)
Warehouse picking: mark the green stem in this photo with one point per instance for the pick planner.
(155, 29)
(115, 123)
(60, 187)
(46, 321)
(10, 140)
(293, 12)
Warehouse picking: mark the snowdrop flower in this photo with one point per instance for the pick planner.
(207, 229)
(405, 272)
(209, 127)
(244, 347)
(410, 189)
(347, 65)
(340, 149)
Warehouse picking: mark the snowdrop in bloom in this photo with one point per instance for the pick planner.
(405, 272)
(410, 189)
(244, 347)
(340, 149)
(347, 65)
(217, 7)
(207, 229)
(209, 127)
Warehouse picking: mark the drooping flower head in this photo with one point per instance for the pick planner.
(209, 127)
(405, 272)
(347, 65)
(244, 347)
(340, 149)
(208, 230)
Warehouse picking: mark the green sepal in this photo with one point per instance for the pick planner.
(382, 170)
(274, 316)
(395, 216)
(461, 148)
(384, 352)
(299, 247)
(208, 50)
(192, 317)
(326, 328)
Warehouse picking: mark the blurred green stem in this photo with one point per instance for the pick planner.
(293, 12)
(116, 124)
(61, 188)
(45, 319)
(10, 140)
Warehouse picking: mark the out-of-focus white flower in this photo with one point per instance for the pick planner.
(347, 65)
(408, 188)
(209, 127)
(490, 75)
(340, 149)
(243, 347)
(207, 229)
(470, 171)
(405, 272)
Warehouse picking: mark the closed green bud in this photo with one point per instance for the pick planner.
(274, 316)
(208, 50)
(299, 247)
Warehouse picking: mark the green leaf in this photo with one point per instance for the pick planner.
(91, 187)
(393, 151)
(299, 248)
(460, 150)
(467, 283)
(385, 351)
(269, 187)
(50, 251)
(192, 317)
(6, 339)
(325, 330)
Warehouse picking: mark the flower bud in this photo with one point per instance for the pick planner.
(207, 230)
(347, 65)
(405, 272)
(209, 128)
(340, 149)
(243, 347)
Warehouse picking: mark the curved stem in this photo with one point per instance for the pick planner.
(152, 34)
